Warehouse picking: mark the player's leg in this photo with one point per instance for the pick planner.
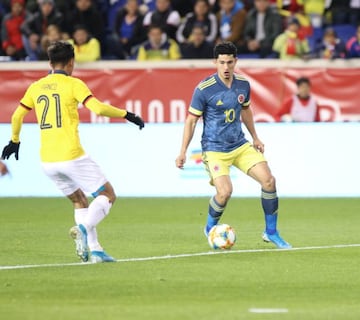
(91, 179)
(217, 203)
(79, 232)
(217, 166)
(269, 200)
(253, 163)
(270, 203)
(99, 208)
(57, 172)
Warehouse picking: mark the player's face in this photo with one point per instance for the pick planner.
(304, 90)
(225, 64)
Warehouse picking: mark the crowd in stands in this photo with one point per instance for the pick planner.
(180, 29)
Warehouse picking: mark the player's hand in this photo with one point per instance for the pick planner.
(11, 148)
(180, 161)
(3, 169)
(132, 117)
(258, 145)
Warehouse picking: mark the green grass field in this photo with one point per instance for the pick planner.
(316, 280)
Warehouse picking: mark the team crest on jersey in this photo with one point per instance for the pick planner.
(241, 98)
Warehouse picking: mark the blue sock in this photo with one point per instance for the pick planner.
(270, 205)
(214, 215)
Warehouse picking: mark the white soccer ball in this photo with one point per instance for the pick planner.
(221, 236)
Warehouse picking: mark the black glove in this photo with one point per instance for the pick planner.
(132, 117)
(11, 148)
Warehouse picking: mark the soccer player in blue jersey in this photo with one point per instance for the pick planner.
(223, 101)
(55, 99)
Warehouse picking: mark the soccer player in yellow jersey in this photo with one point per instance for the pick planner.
(55, 99)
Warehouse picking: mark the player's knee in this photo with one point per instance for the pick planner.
(109, 192)
(224, 195)
(269, 184)
(79, 199)
(112, 197)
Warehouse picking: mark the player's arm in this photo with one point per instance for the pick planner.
(188, 133)
(110, 111)
(16, 124)
(248, 120)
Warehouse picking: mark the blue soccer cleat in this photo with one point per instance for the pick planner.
(101, 256)
(79, 234)
(276, 239)
(207, 230)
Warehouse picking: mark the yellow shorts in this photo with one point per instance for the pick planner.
(244, 158)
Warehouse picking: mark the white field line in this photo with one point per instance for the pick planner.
(185, 255)
(268, 310)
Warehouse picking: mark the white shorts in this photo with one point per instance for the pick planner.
(82, 173)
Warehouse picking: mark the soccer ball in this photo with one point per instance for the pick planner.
(221, 236)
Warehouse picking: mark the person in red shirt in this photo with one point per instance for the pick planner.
(302, 106)
(12, 43)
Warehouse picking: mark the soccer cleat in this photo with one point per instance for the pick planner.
(276, 239)
(79, 234)
(207, 230)
(101, 256)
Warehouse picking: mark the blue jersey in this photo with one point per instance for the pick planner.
(220, 108)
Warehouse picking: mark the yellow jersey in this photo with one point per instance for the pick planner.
(55, 99)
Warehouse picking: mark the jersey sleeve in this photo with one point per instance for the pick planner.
(27, 101)
(247, 97)
(197, 103)
(81, 90)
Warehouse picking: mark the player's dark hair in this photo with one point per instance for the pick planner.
(302, 80)
(225, 48)
(60, 52)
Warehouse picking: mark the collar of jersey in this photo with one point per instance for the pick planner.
(58, 72)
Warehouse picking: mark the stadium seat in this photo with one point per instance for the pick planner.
(315, 38)
(345, 31)
(248, 56)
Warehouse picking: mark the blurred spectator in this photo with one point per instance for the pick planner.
(200, 15)
(344, 12)
(128, 31)
(353, 45)
(10, 31)
(52, 34)
(331, 47)
(289, 45)
(86, 47)
(302, 106)
(64, 6)
(114, 7)
(315, 11)
(197, 47)
(262, 26)
(147, 6)
(34, 27)
(158, 46)
(165, 17)
(231, 20)
(295, 8)
(86, 14)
